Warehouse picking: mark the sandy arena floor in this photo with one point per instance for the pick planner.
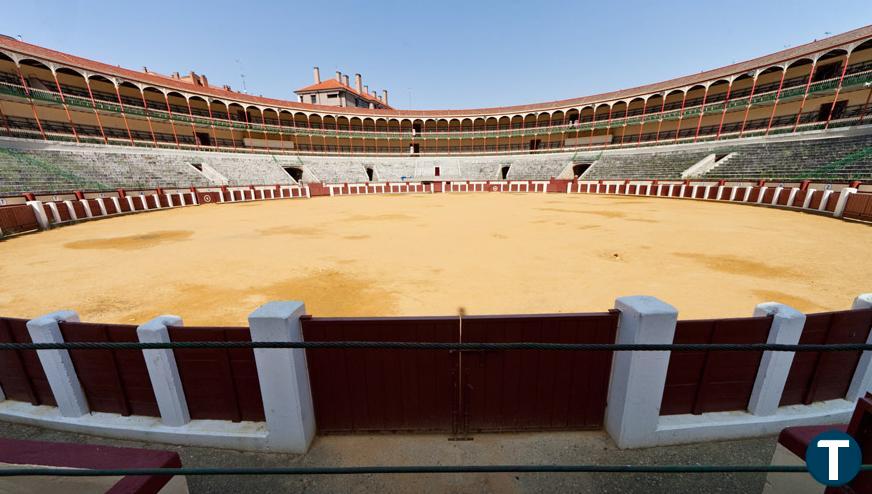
(431, 254)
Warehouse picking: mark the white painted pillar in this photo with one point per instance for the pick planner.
(787, 324)
(284, 377)
(808, 196)
(733, 193)
(720, 192)
(775, 195)
(163, 371)
(87, 207)
(71, 210)
(843, 200)
(861, 383)
(638, 378)
(792, 196)
(307, 192)
(760, 196)
(156, 201)
(39, 212)
(825, 199)
(130, 203)
(57, 364)
(102, 206)
(747, 193)
(54, 211)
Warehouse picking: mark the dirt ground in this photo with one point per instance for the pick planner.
(432, 254)
(548, 448)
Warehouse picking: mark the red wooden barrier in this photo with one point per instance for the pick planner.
(79, 208)
(536, 390)
(219, 383)
(21, 374)
(832, 201)
(17, 219)
(114, 381)
(208, 197)
(859, 207)
(755, 194)
(378, 389)
(700, 382)
(109, 204)
(819, 376)
(94, 206)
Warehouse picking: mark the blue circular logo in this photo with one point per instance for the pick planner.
(833, 458)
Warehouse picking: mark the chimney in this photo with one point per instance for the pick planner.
(339, 76)
(358, 83)
(385, 96)
(345, 79)
(317, 74)
(366, 90)
(204, 81)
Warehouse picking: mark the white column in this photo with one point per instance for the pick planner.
(787, 324)
(760, 196)
(102, 206)
(776, 194)
(39, 212)
(87, 206)
(638, 378)
(57, 364)
(825, 199)
(71, 210)
(163, 371)
(808, 196)
(720, 192)
(284, 377)
(861, 383)
(792, 196)
(843, 200)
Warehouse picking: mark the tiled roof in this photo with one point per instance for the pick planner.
(808, 49)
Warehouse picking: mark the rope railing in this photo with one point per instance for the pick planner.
(407, 345)
(416, 469)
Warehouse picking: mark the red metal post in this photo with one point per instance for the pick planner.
(701, 113)
(123, 114)
(805, 95)
(193, 128)
(96, 113)
(172, 124)
(748, 106)
(32, 105)
(680, 116)
(660, 121)
(148, 117)
(64, 103)
(642, 122)
(724, 112)
(212, 122)
(838, 89)
(775, 104)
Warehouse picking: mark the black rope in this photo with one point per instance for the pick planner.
(661, 469)
(407, 345)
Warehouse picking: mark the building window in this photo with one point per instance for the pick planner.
(333, 96)
(313, 98)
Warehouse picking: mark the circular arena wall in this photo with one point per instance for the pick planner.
(430, 254)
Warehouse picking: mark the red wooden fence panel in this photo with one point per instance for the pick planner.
(819, 376)
(114, 381)
(17, 219)
(536, 390)
(21, 374)
(219, 383)
(859, 207)
(374, 389)
(700, 382)
(109, 204)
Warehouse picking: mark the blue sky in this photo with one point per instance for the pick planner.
(440, 54)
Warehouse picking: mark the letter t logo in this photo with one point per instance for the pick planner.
(833, 446)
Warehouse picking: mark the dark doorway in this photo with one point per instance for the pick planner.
(504, 172)
(837, 110)
(578, 169)
(295, 173)
(415, 148)
(369, 173)
(827, 71)
(535, 144)
(203, 139)
(436, 171)
(417, 127)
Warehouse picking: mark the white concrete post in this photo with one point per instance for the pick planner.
(787, 324)
(825, 199)
(638, 378)
(129, 203)
(862, 380)
(760, 196)
(102, 206)
(163, 371)
(39, 212)
(776, 195)
(71, 210)
(87, 206)
(843, 200)
(57, 364)
(792, 196)
(284, 377)
(808, 196)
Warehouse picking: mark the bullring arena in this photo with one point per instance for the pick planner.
(429, 254)
(190, 265)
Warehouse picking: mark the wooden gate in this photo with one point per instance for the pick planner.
(379, 390)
